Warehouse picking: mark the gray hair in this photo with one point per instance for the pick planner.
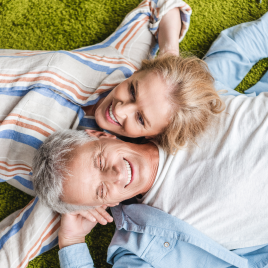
(50, 168)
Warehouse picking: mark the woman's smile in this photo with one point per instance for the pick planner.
(110, 116)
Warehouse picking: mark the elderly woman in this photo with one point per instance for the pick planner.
(43, 92)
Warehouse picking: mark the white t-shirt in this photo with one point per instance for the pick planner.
(220, 186)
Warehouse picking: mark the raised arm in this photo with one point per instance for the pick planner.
(235, 51)
(134, 38)
(169, 32)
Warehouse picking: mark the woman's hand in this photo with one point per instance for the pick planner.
(169, 32)
(75, 226)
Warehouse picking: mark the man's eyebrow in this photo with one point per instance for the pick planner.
(137, 95)
(95, 155)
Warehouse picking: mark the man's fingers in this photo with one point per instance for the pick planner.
(104, 214)
(93, 213)
(88, 216)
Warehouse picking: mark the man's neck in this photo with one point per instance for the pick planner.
(152, 152)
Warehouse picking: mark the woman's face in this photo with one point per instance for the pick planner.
(137, 107)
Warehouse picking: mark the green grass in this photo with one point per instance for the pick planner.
(70, 24)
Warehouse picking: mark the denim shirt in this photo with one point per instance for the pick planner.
(148, 237)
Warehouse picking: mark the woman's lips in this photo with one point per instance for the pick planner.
(108, 116)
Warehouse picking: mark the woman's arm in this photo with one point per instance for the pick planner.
(169, 32)
(134, 37)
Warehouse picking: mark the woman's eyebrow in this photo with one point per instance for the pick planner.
(137, 96)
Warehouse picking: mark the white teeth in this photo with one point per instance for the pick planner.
(111, 114)
(128, 172)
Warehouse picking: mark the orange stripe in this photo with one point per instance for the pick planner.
(18, 168)
(13, 174)
(50, 223)
(33, 120)
(121, 61)
(24, 125)
(133, 35)
(108, 85)
(14, 164)
(55, 228)
(157, 9)
(49, 79)
(71, 82)
(129, 32)
(25, 208)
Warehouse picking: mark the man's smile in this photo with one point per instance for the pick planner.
(129, 172)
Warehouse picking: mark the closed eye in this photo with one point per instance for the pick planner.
(140, 119)
(132, 92)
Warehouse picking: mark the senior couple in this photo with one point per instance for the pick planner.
(205, 206)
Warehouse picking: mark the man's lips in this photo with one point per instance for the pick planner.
(132, 173)
(108, 117)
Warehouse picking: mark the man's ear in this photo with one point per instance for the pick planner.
(100, 134)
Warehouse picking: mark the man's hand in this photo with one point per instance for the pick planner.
(75, 226)
(98, 214)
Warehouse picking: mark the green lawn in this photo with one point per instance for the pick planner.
(70, 24)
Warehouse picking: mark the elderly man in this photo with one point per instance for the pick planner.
(203, 207)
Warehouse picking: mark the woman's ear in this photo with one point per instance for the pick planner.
(100, 134)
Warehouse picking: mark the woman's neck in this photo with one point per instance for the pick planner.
(91, 109)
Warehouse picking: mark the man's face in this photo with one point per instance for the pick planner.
(108, 171)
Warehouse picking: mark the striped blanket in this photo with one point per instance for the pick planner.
(42, 92)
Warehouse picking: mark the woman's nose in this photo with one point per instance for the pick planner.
(124, 110)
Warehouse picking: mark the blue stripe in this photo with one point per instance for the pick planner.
(14, 91)
(49, 246)
(16, 227)
(26, 183)
(154, 49)
(154, 29)
(1, 180)
(115, 36)
(47, 92)
(185, 17)
(100, 68)
(20, 137)
(88, 122)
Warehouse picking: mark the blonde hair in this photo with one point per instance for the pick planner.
(191, 92)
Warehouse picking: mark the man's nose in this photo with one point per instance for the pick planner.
(115, 174)
(124, 109)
